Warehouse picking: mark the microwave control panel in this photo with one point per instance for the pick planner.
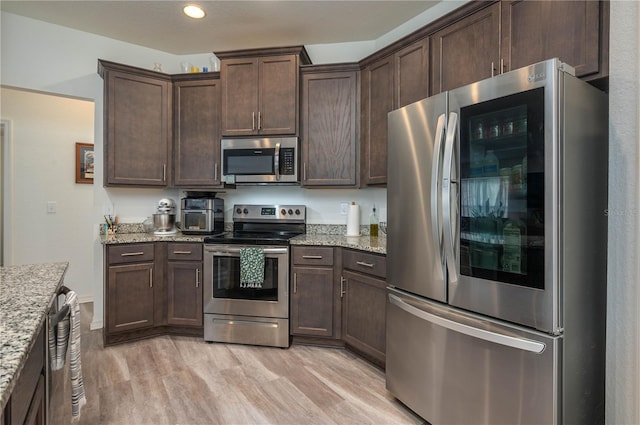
(287, 161)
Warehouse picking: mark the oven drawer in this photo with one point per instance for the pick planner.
(363, 262)
(184, 251)
(130, 253)
(312, 256)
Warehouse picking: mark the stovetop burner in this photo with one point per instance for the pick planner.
(263, 225)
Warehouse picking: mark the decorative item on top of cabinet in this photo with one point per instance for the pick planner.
(388, 82)
(364, 303)
(184, 284)
(137, 125)
(467, 50)
(330, 125)
(196, 115)
(315, 294)
(260, 90)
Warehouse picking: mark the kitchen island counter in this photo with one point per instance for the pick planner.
(26, 294)
(363, 243)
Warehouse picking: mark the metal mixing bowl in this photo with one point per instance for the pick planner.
(164, 222)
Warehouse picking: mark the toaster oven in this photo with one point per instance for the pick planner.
(202, 216)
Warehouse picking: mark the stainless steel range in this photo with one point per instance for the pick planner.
(246, 275)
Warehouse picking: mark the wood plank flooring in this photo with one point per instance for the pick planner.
(184, 380)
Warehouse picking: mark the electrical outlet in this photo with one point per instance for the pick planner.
(344, 208)
(51, 207)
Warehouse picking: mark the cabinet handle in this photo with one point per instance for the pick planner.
(253, 121)
(295, 283)
(304, 171)
(312, 257)
(362, 263)
(182, 252)
(492, 69)
(131, 254)
(259, 120)
(150, 278)
(164, 172)
(502, 66)
(197, 278)
(215, 171)
(343, 282)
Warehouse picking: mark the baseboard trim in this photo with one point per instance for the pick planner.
(85, 299)
(96, 325)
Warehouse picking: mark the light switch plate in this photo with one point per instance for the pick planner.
(52, 207)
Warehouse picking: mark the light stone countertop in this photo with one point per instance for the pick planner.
(363, 243)
(26, 294)
(120, 238)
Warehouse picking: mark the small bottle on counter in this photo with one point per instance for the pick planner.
(373, 223)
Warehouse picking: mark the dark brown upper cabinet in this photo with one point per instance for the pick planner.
(574, 31)
(137, 125)
(196, 141)
(260, 90)
(466, 51)
(388, 82)
(330, 125)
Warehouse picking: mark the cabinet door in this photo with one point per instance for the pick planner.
(130, 297)
(197, 133)
(184, 284)
(377, 102)
(278, 95)
(239, 79)
(466, 51)
(412, 73)
(533, 31)
(330, 128)
(364, 314)
(137, 130)
(312, 301)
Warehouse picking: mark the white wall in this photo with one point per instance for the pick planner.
(623, 289)
(44, 130)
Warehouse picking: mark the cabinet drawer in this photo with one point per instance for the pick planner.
(184, 251)
(372, 264)
(313, 255)
(130, 253)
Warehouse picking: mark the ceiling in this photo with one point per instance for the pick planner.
(228, 25)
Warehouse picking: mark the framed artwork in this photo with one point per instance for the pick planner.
(84, 163)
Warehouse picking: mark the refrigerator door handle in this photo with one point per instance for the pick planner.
(436, 198)
(447, 181)
(497, 338)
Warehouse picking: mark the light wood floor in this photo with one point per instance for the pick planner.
(184, 380)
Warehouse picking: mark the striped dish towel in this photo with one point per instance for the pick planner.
(78, 398)
(58, 337)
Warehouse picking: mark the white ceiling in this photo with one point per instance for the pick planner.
(228, 25)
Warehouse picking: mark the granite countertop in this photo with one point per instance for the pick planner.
(120, 238)
(363, 243)
(26, 293)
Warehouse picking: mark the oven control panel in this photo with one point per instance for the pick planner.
(275, 213)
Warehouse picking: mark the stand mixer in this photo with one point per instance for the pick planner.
(164, 220)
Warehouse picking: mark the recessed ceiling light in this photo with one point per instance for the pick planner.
(193, 12)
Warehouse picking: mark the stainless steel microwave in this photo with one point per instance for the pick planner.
(261, 161)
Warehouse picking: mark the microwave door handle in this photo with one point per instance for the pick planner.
(276, 161)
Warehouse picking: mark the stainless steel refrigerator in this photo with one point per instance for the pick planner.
(496, 250)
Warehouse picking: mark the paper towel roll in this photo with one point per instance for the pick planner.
(353, 220)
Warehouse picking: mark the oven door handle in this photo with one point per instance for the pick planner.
(232, 252)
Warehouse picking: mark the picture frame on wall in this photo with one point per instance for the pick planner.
(84, 163)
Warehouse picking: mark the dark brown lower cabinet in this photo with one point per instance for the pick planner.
(315, 293)
(364, 304)
(184, 284)
(27, 403)
(130, 297)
